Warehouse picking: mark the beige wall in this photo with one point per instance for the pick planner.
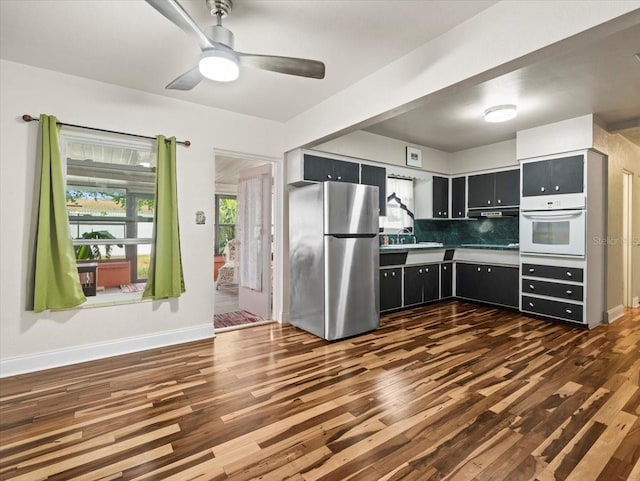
(623, 155)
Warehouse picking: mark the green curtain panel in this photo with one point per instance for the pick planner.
(57, 285)
(165, 277)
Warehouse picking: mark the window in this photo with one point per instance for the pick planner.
(110, 193)
(225, 221)
(397, 217)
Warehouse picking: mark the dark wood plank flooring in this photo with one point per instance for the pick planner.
(453, 391)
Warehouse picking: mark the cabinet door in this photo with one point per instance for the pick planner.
(508, 187)
(413, 285)
(446, 280)
(481, 190)
(431, 282)
(458, 198)
(501, 286)
(317, 169)
(372, 175)
(345, 171)
(567, 175)
(535, 178)
(390, 289)
(440, 197)
(467, 280)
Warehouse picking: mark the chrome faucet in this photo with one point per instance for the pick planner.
(404, 230)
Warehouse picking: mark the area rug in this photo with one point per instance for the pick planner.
(238, 318)
(139, 287)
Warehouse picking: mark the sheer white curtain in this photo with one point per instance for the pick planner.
(398, 218)
(249, 232)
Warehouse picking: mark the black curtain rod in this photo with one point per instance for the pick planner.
(29, 118)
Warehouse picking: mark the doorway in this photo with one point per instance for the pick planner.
(243, 246)
(627, 237)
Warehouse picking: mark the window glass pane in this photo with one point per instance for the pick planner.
(145, 208)
(552, 233)
(95, 202)
(100, 252)
(145, 230)
(117, 231)
(225, 234)
(227, 210)
(144, 257)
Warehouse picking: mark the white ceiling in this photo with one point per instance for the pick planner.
(128, 43)
(228, 168)
(601, 78)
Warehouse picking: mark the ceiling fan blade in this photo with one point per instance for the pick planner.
(187, 80)
(288, 65)
(176, 14)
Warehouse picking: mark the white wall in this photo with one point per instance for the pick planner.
(25, 89)
(486, 157)
(365, 145)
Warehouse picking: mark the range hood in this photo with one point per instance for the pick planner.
(493, 213)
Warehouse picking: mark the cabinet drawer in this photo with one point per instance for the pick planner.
(552, 272)
(552, 289)
(562, 310)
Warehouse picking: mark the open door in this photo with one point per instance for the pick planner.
(253, 234)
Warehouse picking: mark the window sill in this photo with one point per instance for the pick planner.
(109, 299)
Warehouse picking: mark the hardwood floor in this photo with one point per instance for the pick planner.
(454, 391)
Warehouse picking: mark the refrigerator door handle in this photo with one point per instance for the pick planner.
(353, 236)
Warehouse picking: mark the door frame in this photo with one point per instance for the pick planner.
(279, 172)
(627, 237)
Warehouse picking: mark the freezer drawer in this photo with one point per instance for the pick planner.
(352, 304)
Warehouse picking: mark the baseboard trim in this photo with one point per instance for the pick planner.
(615, 313)
(635, 302)
(64, 357)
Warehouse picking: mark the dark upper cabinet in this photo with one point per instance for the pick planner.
(481, 190)
(508, 187)
(320, 169)
(555, 176)
(440, 197)
(372, 175)
(494, 189)
(390, 288)
(446, 280)
(458, 197)
(421, 284)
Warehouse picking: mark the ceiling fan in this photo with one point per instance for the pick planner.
(218, 60)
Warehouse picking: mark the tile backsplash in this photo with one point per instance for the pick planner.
(504, 230)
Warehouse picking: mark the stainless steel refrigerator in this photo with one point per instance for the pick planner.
(334, 259)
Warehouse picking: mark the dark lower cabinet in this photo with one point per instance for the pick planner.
(421, 284)
(488, 283)
(372, 175)
(446, 280)
(390, 288)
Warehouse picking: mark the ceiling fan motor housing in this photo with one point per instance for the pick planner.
(219, 34)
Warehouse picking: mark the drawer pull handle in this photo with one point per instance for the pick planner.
(385, 274)
(427, 269)
(393, 274)
(499, 201)
(444, 268)
(531, 304)
(569, 292)
(568, 274)
(557, 187)
(541, 189)
(478, 269)
(445, 213)
(569, 311)
(459, 213)
(339, 178)
(488, 202)
(532, 270)
(531, 287)
(439, 212)
(328, 176)
(420, 271)
(489, 269)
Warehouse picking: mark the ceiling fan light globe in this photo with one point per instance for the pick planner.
(219, 65)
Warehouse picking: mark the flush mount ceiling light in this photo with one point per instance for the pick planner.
(500, 113)
(219, 65)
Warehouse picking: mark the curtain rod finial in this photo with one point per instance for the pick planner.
(187, 143)
(27, 118)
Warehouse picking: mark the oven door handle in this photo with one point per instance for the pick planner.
(557, 214)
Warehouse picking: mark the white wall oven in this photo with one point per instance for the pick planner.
(554, 232)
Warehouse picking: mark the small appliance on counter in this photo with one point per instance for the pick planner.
(334, 259)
